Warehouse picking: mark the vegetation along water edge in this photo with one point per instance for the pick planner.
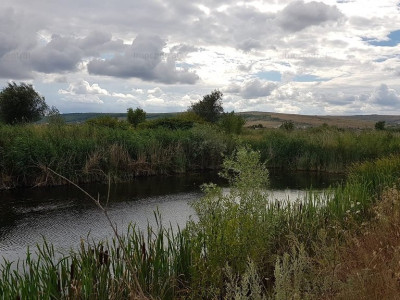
(244, 245)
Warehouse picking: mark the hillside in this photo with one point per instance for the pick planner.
(268, 119)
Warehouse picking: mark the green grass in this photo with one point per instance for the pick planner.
(86, 153)
(241, 239)
(322, 148)
(89, 153)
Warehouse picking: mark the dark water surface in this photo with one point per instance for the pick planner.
(63, 215)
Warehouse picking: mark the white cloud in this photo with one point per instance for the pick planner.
(298, 15)
(252, 88)
(83, 87)
(385, 96)
(122, 53)
(144, 60)
(156, 92)
(92, 99)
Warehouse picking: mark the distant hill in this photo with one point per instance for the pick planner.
(267, 119)
(82, 117)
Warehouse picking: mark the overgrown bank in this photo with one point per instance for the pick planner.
(322, 148)
(91, 152)
(87, 153)
(244, 245)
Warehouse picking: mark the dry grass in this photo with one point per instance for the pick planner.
(274, 120)
(369, 263)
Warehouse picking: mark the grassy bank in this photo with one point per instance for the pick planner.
(322, 148)
(244, 245)
(87, 153)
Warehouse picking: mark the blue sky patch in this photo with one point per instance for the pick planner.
(309, 78)
(382, 59)
(270, 75)
(393, 39)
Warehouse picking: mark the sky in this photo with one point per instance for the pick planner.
(331, 57)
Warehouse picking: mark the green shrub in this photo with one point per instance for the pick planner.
(167, 123)
(107, 121)
(287, 125)
(231, 123)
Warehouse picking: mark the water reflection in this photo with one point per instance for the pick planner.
(64, 216)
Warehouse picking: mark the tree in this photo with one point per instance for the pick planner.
(21, 104)
(380, 125)
(136, 116)
(210, 108)
(54, 117)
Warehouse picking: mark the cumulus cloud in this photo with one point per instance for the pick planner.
(299, 15)
(385, 96)
(144, 60)
(252, 88)
(156, 92)
(82, 87)
(221, 41)
(59, 55)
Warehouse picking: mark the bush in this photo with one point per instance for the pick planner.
(380, 125)
(168, 123)
(232, 123)
(107, 121)
(287, 125)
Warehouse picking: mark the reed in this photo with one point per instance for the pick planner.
(321, 149)
(87, 153)
(242, 238)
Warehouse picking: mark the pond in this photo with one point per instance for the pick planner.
(63, 215)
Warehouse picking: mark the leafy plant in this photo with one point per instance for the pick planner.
(232, 123)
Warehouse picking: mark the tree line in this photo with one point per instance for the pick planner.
(21, 103)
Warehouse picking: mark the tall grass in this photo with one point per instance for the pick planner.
(243, 244)
(323, 148)
(87, 153)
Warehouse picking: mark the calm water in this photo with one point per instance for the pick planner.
(64, 216)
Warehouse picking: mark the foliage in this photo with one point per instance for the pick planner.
(190, 116)
(108, 121)
(380, 125)
(21, 104)
(287, 125)
(232, 123)
(54, 117)
(210, 107)
(167, 123)
(137, 116)
(321, 149)
(87, 152)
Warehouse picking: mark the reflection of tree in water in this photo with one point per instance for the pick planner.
(303, 180)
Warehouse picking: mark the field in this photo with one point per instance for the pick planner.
(274, 120)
